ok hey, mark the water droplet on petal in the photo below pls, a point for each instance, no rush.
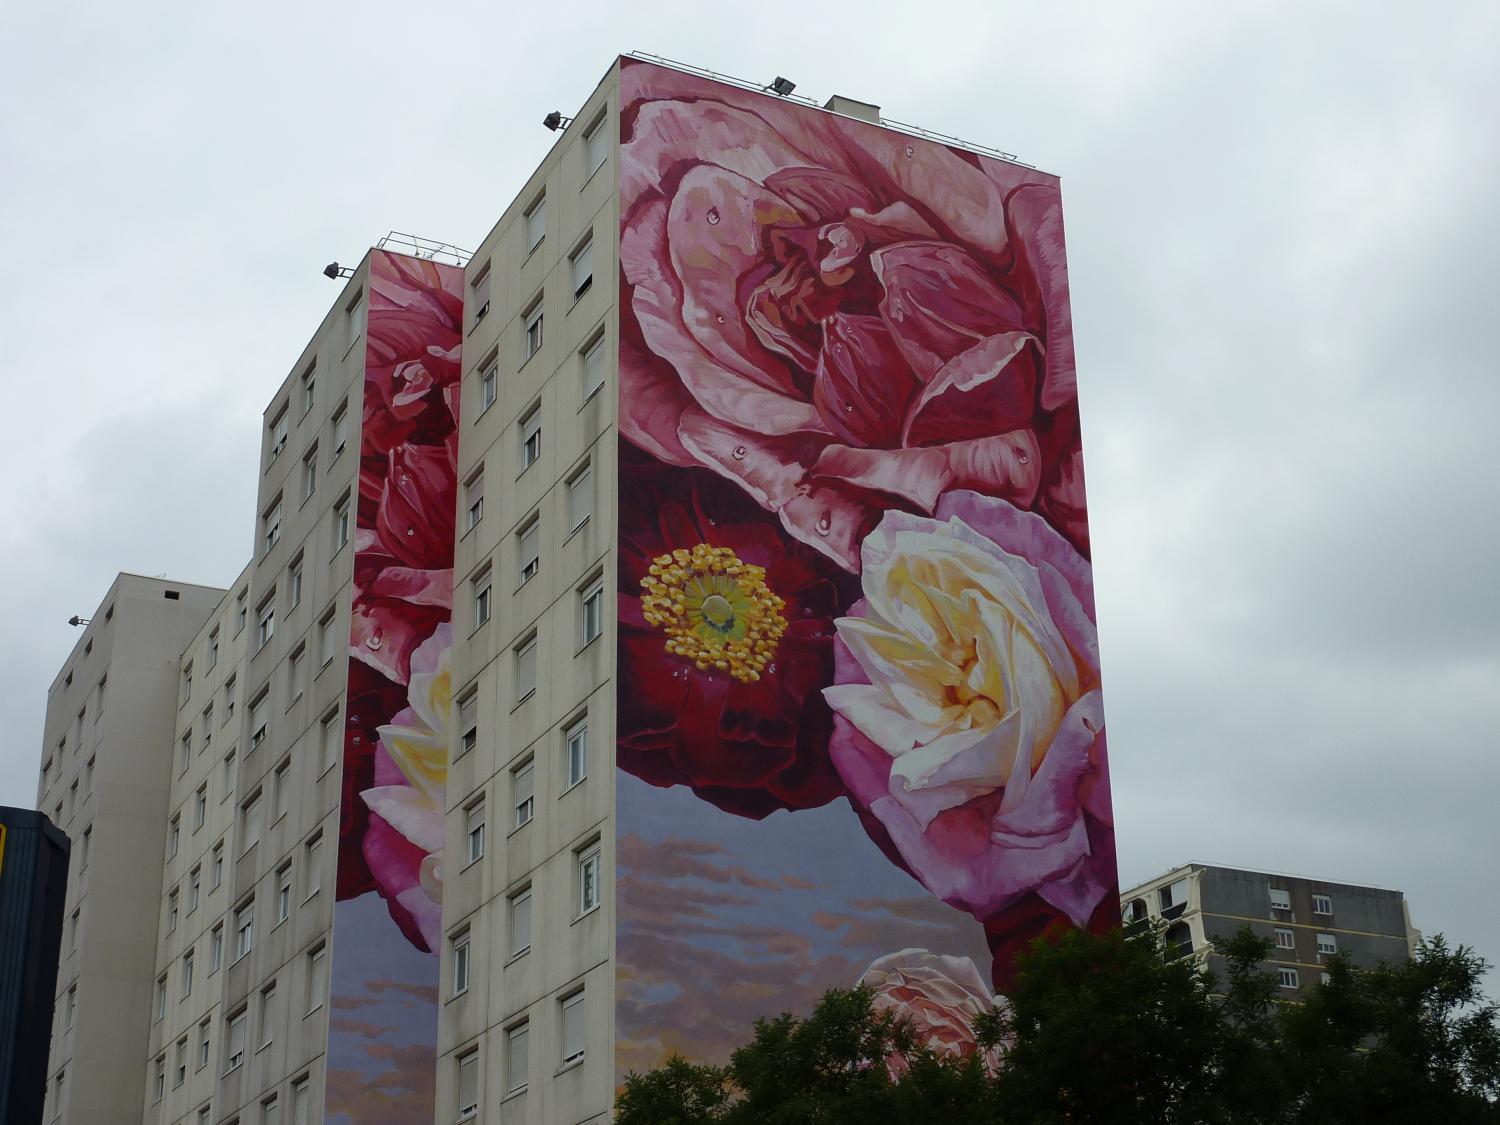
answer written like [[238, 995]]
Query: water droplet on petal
[[720, 318], [825, 525], [771, 668], [739, 452], [804, 489], [411, 531], [1023, 457], [405, 479], [712, 216], [374, 642], [910, 152], [356, 740], [848, 408]]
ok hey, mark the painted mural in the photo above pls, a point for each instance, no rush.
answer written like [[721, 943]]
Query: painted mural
[[388, 918], [860, 732]]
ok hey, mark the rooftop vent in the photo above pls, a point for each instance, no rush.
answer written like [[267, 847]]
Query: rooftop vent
[[849, 107]]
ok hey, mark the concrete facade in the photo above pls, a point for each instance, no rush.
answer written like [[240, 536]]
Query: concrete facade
[[1308, 920]]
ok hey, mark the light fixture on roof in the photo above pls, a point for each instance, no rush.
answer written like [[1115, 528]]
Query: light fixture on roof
[[334, 271], [75, 620], [556, 120], [782, 86]]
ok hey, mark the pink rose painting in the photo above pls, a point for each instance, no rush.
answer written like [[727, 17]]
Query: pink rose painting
[[844, 343], [388, 913]]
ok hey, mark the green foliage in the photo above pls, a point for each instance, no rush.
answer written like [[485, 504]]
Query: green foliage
[[1112, 1029]]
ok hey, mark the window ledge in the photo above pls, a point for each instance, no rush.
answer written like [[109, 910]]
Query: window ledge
[[523, 701], [514, 957], [572, 786], [571, 1064], [591, 910], [519, 827]]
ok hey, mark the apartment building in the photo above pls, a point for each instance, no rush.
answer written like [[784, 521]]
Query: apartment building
[[1308, 920], [400, 856]]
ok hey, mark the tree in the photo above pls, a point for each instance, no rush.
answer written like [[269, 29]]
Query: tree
[[1114, 1029]]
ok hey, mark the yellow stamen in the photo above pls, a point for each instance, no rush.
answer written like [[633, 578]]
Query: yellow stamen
[[716, 611]]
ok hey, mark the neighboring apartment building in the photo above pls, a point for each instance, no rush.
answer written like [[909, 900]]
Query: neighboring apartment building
[[1308, 920], [384, 773]]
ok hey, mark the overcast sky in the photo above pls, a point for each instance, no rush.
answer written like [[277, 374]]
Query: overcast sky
[[1283, 245]]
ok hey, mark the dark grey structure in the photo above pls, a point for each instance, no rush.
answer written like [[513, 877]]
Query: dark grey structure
[[1309, 920], [33, 881]]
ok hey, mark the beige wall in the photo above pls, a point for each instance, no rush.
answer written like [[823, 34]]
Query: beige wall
[[134, 640], [574, 680]]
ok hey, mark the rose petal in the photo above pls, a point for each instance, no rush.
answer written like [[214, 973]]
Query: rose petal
[[863, 384], [988, 389], [1034, 219]]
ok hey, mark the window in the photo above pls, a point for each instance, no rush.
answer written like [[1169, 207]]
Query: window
[[260, 709], [591, 611], [313, 872], [229, 698], [1280, 900], [265, 618], [341, 523], [533, 321], [536, 223], [330, 740], [576, 737], [489, 385], [213, 657], [161, 996], [294, 582], [159, 1083], [301, 1103], [474, 498], [580, 497], [595, 366], [240, 610], [187, 973], [179, 1069], [468, 1084], [317, 976], [460, 960], [326, 641], [283, 893], [588, 878], [208, 728], [309, 472], [268, 1013], [296, 666], [309, 386], [83, 847], [244, 929], [595, 146], [531, 437], [195, 889], [216, 865], [515, 1057], [479, 299], [572, 1028], [355, 317], [270, 524], [187, 693], [582, 269], [280, 786], [526, 668], [480, 585], [228, 775], [338, 429], [174, 836], [172, 911], [1328, 945], [1322, 904], [523, 785], [71, 1008], [73, 930], [184, 752], [278, 431], [238, 1027], [474, 830], [88, 776], [520, 922], [216, 948], [1285, 939], [270, 1111], [1286, 978], [468, 722], [203, 1044], [529, 543]]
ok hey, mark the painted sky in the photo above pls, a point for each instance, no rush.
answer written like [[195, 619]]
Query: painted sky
[[1282, 249]]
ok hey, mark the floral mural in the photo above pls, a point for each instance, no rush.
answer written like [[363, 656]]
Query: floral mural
[[388, 917], [857, 646]]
